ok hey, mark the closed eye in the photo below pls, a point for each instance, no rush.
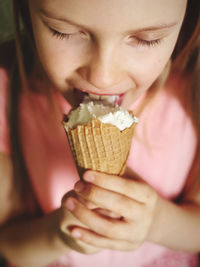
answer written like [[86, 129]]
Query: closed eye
[[135, 40], [61, 35], [148, 43]]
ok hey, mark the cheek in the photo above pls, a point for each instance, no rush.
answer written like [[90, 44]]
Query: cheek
[[145, 64], [145, 68], [59, 58], [56, 59]]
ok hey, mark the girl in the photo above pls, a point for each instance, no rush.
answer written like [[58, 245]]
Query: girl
[[146, 52]]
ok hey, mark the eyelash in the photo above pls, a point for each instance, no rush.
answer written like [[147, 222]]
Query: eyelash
[[140, 42], [148, 43], [61, 35]]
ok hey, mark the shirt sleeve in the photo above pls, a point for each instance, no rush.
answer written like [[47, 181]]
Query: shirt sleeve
[[4, 125]]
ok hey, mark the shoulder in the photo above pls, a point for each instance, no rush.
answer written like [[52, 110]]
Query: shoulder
[[6, 187], [4, 79], [6, 55], [5, 66], [4, 129], [12, 206]]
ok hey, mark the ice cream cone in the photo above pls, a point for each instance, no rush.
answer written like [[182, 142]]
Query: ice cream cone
[[99, 146]]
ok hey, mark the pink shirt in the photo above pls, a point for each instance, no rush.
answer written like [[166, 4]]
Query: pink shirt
[[162, 153]]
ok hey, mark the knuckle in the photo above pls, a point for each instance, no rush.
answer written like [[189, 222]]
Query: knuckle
[[150, 194], [113, 231], [125, 186], [104, 229], [93, 193], [125, 206]]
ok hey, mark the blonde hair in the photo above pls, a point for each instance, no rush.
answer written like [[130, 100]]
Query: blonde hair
[[184, 59]]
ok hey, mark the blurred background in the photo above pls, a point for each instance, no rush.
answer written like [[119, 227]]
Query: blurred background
[[6, 20], [2, 262], [6, 33]]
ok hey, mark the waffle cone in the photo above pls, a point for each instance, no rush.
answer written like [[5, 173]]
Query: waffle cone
[[99, 146]]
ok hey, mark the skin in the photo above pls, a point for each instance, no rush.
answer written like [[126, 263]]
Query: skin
[[107, 57], [135, 203], [104, 55]]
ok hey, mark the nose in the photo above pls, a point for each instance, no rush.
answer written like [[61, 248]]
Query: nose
[[102, 68]]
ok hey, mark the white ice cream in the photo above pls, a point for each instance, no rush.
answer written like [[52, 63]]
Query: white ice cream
[[105, 111]]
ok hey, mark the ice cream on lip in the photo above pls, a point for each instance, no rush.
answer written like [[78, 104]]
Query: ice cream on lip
[[104, 109], [81, 94]]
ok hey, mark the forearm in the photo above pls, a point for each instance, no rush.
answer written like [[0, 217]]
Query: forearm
[[31, 242], [177, 227]]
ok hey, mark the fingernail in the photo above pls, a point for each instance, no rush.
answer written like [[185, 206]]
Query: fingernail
[[88, 176], [76, 234], [70, 204], [79, 186]]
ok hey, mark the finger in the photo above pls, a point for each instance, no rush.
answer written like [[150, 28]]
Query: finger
[[115, 202], [108, 227], [94, 239], [67, 219], [72, 193], [139, 191], [77, 244], [66, 196]]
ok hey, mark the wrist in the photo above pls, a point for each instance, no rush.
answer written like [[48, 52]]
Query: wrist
[[160, 221], [56, 237], [176, 226]]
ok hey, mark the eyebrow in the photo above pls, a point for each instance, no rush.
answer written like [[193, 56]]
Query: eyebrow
[[144, 29]]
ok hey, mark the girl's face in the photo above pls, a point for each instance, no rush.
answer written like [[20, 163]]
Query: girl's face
[[105, 47]]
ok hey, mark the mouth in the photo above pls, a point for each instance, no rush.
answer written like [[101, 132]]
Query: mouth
[[81, 96]]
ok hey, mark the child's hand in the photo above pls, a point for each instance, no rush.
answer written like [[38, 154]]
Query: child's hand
[[66, 223], [135, 203]]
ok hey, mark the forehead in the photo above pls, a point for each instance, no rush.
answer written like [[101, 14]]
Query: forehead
[[115, 13]]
